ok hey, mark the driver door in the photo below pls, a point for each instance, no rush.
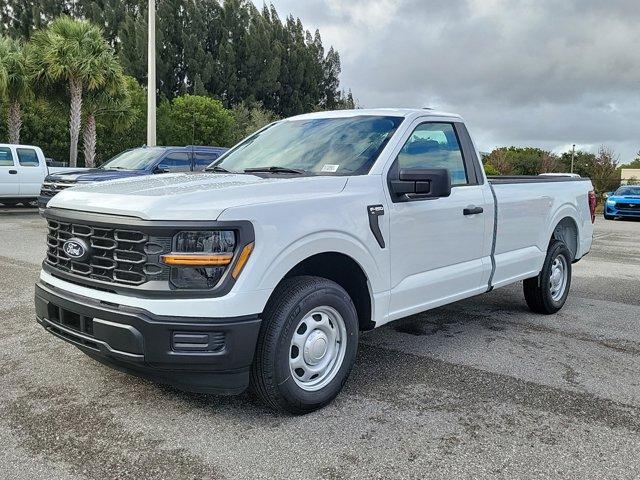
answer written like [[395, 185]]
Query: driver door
[[9, 179], [437, 246]]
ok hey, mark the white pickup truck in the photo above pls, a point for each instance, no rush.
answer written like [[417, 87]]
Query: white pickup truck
[[23, 168], [264, 271]]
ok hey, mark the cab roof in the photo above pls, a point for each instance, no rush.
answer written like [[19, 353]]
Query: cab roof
[[393, 112]]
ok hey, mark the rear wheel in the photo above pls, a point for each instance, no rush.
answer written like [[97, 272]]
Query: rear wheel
[[547, 293], [307, 345]]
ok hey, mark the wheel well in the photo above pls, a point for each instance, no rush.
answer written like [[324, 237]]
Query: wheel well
[[347, 273], [567, 232]]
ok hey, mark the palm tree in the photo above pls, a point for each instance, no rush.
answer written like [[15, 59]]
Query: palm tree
[[72, 53], [114, 102], [15, 83], [4, 73]]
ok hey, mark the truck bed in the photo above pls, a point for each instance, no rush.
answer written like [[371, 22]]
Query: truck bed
[[528, 208]]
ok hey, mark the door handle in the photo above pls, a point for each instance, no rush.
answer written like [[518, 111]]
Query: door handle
[[13, 172], [472, 210]]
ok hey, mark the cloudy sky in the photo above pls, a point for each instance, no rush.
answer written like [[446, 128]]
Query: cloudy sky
[[545, 73]]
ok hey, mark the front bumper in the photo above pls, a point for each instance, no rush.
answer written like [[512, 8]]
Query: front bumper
[[209, 355], [43, 200]]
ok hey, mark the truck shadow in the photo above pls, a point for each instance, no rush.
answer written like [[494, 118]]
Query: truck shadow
[[423, 384]]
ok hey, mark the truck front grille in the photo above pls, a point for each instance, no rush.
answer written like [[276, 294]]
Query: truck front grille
[[50, 189], [115, 255]]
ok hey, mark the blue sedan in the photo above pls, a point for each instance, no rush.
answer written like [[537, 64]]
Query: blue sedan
[[624, 202]]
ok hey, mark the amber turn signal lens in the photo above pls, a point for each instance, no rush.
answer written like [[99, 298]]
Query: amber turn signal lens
[[197, 259], [244, 256]]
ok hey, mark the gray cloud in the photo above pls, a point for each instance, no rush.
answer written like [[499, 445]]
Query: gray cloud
[[546, 73]]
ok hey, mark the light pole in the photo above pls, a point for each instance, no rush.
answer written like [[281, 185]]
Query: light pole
[[573, 156], [151, 77]]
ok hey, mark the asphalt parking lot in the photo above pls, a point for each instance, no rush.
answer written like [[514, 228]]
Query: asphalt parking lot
[[478, 389]]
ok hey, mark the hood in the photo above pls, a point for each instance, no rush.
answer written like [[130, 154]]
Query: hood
[[93, 175], [191, 196], [624, 198]]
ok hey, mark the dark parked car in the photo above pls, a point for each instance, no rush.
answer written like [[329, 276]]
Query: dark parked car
[[136, 162]]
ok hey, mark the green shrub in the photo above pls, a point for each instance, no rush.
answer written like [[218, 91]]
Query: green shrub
[[491, 170], [194, 120]]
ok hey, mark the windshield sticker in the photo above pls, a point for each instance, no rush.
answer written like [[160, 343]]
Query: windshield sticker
[[330, 168]]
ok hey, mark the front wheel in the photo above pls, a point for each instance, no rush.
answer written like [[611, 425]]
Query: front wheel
[[609, 217], [307, 345], [548, 292]]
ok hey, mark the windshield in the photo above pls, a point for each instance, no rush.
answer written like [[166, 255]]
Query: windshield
[[628, 191], [337, 146], [136, 159]]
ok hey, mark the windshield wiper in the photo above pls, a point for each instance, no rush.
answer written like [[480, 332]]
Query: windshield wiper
[[274, 170], [217, 168]]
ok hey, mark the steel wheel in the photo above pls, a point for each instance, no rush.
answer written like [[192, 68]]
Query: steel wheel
[[558, 277], [547, 292], [317, 348]]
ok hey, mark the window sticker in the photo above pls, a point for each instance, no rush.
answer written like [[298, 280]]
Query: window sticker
[[330, 168]]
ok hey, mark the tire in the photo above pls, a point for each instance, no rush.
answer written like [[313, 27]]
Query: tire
[[541, 293], [330, 323], [609, 217]]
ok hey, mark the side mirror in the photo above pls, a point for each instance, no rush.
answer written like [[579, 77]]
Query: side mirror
[[418, 183], [160, 169]]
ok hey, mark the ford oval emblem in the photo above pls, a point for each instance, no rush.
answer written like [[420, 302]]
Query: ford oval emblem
[[76, 249]]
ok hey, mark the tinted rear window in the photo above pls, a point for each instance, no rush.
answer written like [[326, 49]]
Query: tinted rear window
[[176, 162], [6, 158], [28, 157], [204, 159]]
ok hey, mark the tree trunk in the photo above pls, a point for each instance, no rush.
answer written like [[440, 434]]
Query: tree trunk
[[75, 90], [14, 122], [89, 142]]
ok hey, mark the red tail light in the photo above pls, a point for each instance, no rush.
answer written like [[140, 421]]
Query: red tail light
[[593, 201]]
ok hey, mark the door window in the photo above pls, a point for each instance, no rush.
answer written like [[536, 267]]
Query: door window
[[28, 157], [434, 145], [204, 159], [176, 162], [6, 158]]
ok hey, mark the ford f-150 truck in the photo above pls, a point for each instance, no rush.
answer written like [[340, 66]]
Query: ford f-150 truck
[[264, 271]]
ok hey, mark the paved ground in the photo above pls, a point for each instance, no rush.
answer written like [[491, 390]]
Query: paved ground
[[479, 389]]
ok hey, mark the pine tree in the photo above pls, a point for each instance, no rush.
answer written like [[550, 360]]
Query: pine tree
[[227, 49]]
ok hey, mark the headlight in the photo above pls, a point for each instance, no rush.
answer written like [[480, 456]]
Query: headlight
[[200, 258], [611, 202]]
